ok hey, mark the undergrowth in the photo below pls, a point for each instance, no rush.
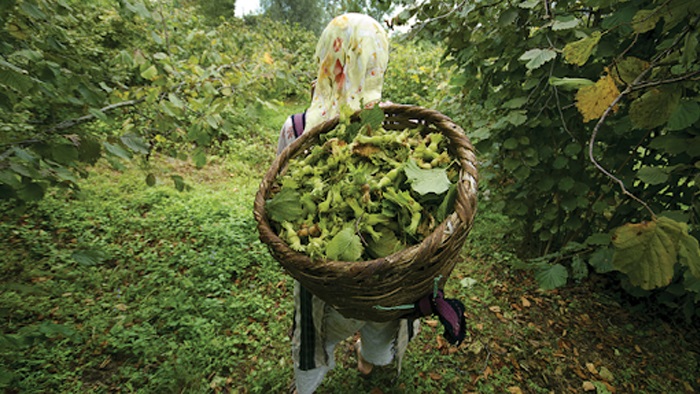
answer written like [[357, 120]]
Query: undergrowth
[[121, 287]]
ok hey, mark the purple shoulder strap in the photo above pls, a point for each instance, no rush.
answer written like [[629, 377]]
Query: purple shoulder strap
[[298, 123]]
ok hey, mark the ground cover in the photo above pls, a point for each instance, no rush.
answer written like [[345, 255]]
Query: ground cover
[[122, 287]]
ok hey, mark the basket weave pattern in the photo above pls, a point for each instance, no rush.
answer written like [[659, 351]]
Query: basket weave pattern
[[362, 290]]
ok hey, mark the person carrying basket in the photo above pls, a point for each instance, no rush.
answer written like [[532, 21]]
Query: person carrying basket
[[352, 54]]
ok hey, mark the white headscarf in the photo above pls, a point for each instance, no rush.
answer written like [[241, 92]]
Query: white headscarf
[[352, 53]]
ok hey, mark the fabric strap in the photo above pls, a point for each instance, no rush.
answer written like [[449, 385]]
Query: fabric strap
[[298, 123], [450, 312]]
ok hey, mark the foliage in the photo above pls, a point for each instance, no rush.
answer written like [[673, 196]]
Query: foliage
[[416, 75], [307, 13], [154, 75], [534, 74], [314, 14], [180, 296]]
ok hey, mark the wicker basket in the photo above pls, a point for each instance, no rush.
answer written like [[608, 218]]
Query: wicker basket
[[371, 290]]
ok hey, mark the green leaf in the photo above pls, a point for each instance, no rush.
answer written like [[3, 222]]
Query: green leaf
[[89, 150], [654, 108], [601, 260], [135, 143], [150, 179], [579, 268], [64, 153], [552, 277], [139, 9], [14, 79], [200, 158], [537, 57], [98, 114], [424, 181], [117, 150], [515, 103], [284, 206], [645, 20], [179, 182], [447, 205], [570, 83], [508, 17], [32, 10], [689, 253], [566, 183], [89, 257], [600, 239], [565, 22], [31, 192], [578, 52], [628, 69], [176, 100], [647, 252], [510, 143], [652, 175], [528, 4], [385, 245], [345, 246], [150, 73], [685, 115], [516, 118], [373, 117]]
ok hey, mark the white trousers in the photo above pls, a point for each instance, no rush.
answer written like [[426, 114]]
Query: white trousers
[[318, 328]]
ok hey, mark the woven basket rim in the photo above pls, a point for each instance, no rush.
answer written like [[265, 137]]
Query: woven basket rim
[[304, 268]]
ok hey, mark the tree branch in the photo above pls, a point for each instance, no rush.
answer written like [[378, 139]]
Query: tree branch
[[650, 84], [66, 124]]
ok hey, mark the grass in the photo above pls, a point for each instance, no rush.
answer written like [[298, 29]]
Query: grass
[[127, 288]]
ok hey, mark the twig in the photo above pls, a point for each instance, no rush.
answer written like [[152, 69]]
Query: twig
[[684, 77], [66, 124], [591, 144], [488, 356], [426, 22], [635, 85]]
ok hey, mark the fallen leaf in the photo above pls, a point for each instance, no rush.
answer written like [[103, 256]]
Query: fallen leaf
[[495, 309], [515, 390], [434, 375], [432, 323], [588, 386], [121, 307], [476, 347], [487, 372], [525, 302], [591, 368], [606, 374]]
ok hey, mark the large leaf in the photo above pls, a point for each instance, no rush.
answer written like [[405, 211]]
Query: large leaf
[[684, 116], [570, 83], [647, 252], [578, 52], [537, 57], [689, 254], [424, 181], [628, 69], [345, 246], [645, 20], [654, 108], [284, 206], [552, 277], [593, 101], [653, 175]]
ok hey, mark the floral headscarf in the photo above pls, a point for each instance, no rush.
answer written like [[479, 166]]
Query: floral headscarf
[[353, 53]]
